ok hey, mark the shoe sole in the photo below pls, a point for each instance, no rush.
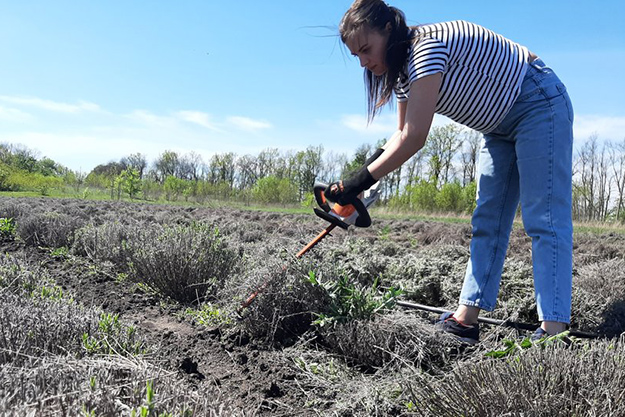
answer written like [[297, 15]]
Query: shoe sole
[[466, 340]]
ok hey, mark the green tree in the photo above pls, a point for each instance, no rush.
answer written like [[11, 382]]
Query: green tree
[[174, 187], [130, 182], [449, 198], [274, 190], [442, 144], [358, 160], [136, 161], [166, 165], [423, 195], [4, 176], [469, 194]]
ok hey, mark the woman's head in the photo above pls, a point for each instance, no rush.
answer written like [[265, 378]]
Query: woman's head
[[377, 34]]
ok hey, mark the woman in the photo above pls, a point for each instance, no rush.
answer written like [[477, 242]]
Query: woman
[[499, 88]]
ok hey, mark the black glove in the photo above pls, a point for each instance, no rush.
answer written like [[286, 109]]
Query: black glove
[[345, 192], [373, 157]]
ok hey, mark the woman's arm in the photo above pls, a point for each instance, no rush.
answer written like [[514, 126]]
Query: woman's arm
[[415, 118], [401, 118]]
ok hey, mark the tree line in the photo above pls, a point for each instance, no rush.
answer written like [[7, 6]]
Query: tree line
[[439, 178]]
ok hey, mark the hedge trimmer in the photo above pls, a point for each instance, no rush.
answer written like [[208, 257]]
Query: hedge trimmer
[[356, 214]]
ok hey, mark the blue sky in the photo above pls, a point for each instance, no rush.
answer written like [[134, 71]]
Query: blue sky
[[86, 82]]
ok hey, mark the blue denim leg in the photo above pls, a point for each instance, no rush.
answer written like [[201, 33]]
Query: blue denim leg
[[497, 200], [528, 157]]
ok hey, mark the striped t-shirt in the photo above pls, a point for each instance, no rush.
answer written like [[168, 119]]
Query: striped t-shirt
[[482, 71]]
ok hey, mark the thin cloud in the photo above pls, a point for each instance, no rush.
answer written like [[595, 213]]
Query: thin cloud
[[384, 124], [148, 118], [197, 117], [245, 123], [605, 127], [14, 115], [50, 105]]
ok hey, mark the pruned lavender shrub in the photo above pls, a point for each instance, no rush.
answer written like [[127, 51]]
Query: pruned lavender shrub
[[392, 340], [37, 319], [552, 380], [50, 229], [335, 388], [287, 304], [516, 300], [12, 209], [108, 242], [434, 276], [186, 263], [18, 276], [599, 297], [593, 248], [109, 385], [433, 233], [32, 328], [431, 276], [365, 261]]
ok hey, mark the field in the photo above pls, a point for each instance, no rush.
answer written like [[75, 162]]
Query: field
[[113, 308]]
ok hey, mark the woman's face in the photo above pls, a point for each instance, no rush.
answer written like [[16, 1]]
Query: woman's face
[[369, 45]]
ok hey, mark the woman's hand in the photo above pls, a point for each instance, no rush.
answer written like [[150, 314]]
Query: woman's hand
[[346, 191]]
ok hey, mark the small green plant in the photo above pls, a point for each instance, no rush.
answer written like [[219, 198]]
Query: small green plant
[[385, 233], [109, 323], [52, 292], [121, 277], [512, 346], [7, 227], [112, 337], [148, 409], [44, 190], [86, 412], [208, 315], [90, 344], [351, 302], [410, 406], [61, 253], [146, 289], [328, 371]]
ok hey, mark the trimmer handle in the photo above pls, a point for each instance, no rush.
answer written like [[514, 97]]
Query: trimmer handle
[[363, 219], [318, 190]]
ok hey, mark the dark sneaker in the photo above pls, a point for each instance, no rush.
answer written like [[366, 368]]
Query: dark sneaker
[[539, 334], [469, 334]]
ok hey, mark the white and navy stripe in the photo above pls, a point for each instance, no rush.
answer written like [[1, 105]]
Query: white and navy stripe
[[482, 71]]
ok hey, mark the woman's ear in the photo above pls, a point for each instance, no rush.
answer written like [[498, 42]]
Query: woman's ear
[[388, 27]]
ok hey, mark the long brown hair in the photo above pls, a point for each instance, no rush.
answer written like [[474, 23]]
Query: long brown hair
[[375, 15]]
